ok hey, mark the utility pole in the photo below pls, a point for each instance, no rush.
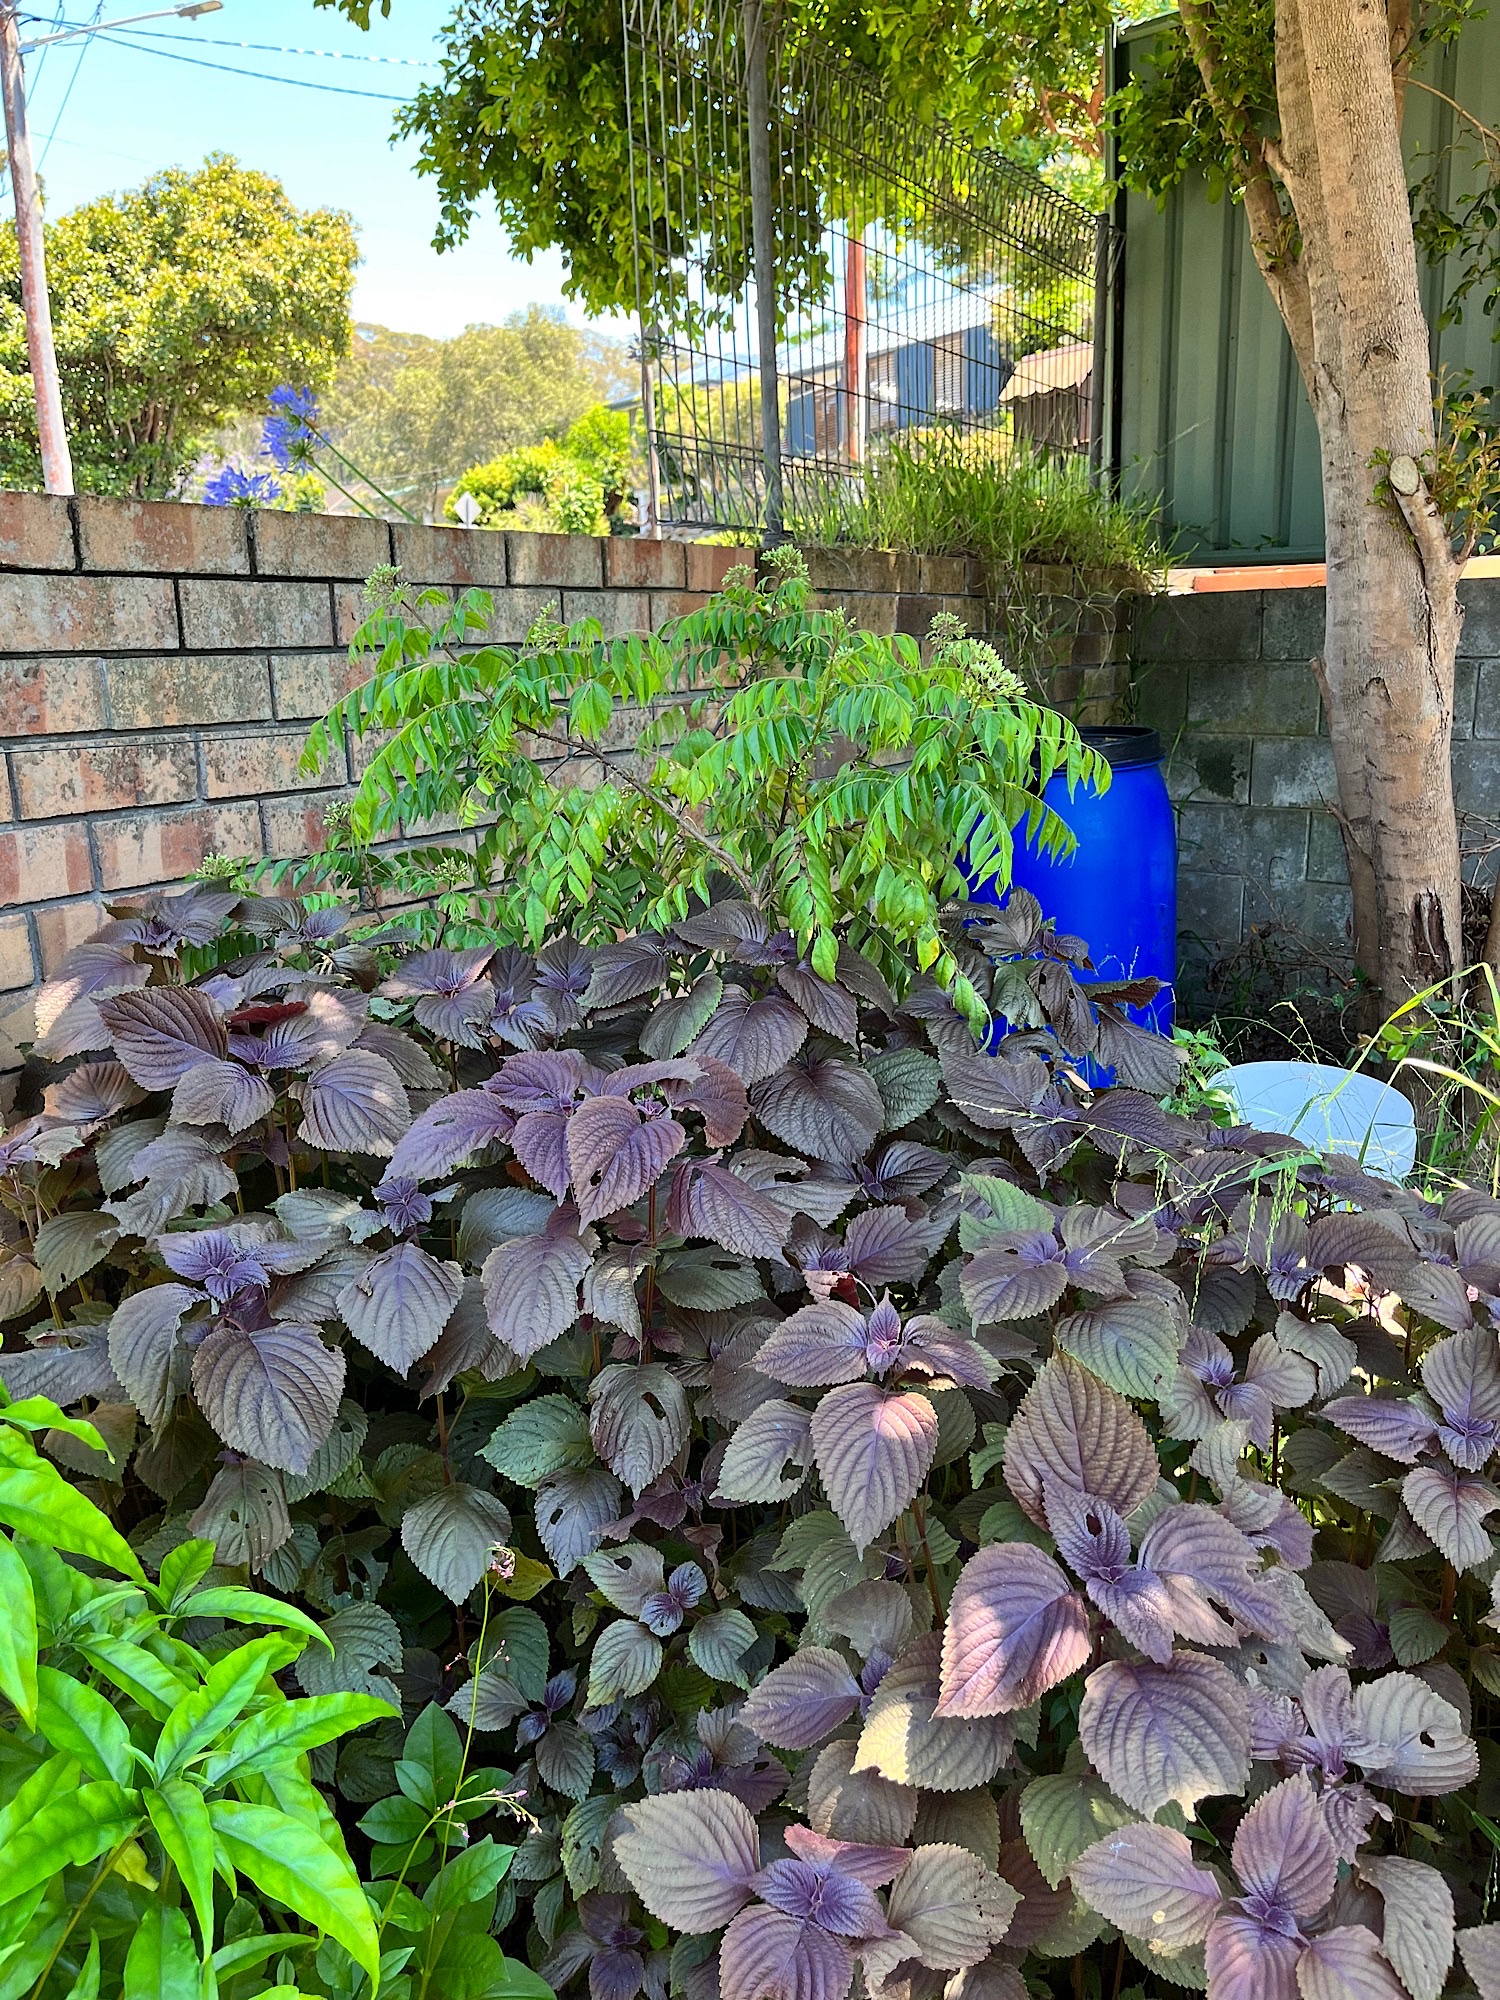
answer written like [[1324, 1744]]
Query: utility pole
[[52, 432], [57, 461]]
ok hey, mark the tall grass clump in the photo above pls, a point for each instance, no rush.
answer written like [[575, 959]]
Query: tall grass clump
[[938, 493]]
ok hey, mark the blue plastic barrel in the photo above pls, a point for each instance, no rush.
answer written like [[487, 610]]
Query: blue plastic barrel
[[1117, 890]]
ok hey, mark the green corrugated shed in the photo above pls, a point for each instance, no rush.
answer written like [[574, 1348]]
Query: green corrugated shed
[[1206, 411]]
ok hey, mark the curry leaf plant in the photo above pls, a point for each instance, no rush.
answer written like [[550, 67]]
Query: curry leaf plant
[[884, 1509], [830, 778]]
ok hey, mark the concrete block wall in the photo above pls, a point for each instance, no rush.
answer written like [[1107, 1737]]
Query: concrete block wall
[[1225, 677]]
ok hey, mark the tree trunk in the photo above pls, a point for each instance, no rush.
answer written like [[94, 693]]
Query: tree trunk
[[1392, 609], [1342, 269]]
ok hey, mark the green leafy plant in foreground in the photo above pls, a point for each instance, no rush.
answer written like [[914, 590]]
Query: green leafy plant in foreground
[[833, 777], [139, 1769]]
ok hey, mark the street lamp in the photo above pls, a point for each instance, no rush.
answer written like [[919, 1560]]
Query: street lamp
[[52, 434]]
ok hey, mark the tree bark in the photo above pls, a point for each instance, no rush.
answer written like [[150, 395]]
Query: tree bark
[[1392, 606], [1342, 268]]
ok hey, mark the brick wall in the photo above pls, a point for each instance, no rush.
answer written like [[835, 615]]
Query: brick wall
[[1225, 677], [160, 665]]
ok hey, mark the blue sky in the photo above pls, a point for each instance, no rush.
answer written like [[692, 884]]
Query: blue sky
[[105, 115]]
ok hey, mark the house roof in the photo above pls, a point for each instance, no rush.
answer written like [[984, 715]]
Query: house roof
[[1066, 367]]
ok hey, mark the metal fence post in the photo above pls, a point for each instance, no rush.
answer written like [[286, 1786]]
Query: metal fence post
[[763, 241], [1103, 253]]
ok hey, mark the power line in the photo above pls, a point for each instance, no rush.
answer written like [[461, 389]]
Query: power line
[[78, 65], [254, 75], [280, 49]]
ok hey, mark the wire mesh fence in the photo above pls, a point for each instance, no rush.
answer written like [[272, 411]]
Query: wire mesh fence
[[910, 287]]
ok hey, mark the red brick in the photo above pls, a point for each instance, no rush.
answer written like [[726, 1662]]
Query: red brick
[[163, 535], [16, 967], [456, 557], [872, 611], [243, 767], [296, 827], [639, 562], [35, 532], [575, 562], [319, 544], [707, 564], [853, 569], [945, 576], [156, 693], [512, 614], [308, 684], [86, 614], [618, 611], [669, 604], [139, 850], [236, 615], [97, 777], [59, 926], [51, 697], [39, 862]]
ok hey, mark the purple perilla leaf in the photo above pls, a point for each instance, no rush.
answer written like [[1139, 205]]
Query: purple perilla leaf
[[1156, 1733], [803, 1701], [1145, 1881], [817, 1345], [1248, 1960], [873, 1450], [819, 1893], [531, 1284], [1451, 1509], [616, 1151], [899, 1171], [710, 1201], [754, 1038], [401, 1303], [354, 1103], [1462, 1375], [160, 1033], [436, 972], [1398, 1429], [447, 1132], [825, 1106], [1073, 1431], [690, 1857], [874, 1866], [1283, 1856], [892, 1245], [1347, 1964], [539, 1082], [403, 1204], [767, 1955], [1016, 1627], [1017, 1276], [829, 1008], [663, 1611], [271, 1392]]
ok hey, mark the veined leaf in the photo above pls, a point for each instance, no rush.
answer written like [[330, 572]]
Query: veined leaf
[[36, 1501], [284, 1858], [180, 1819], [18, 1672]]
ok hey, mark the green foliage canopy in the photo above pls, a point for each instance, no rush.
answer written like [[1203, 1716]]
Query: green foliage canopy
[[531, 110], [415, 412], [176, 307]]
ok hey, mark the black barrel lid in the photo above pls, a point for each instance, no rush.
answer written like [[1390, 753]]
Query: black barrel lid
[[1121, 743]]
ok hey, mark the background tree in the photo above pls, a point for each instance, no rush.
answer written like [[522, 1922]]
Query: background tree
[[415, 412], [176, 307]]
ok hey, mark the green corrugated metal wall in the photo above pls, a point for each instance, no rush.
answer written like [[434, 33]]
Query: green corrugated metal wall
[[1209, 416]]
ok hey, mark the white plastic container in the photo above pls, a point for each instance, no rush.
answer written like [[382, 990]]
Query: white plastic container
[[1338, 1110]]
